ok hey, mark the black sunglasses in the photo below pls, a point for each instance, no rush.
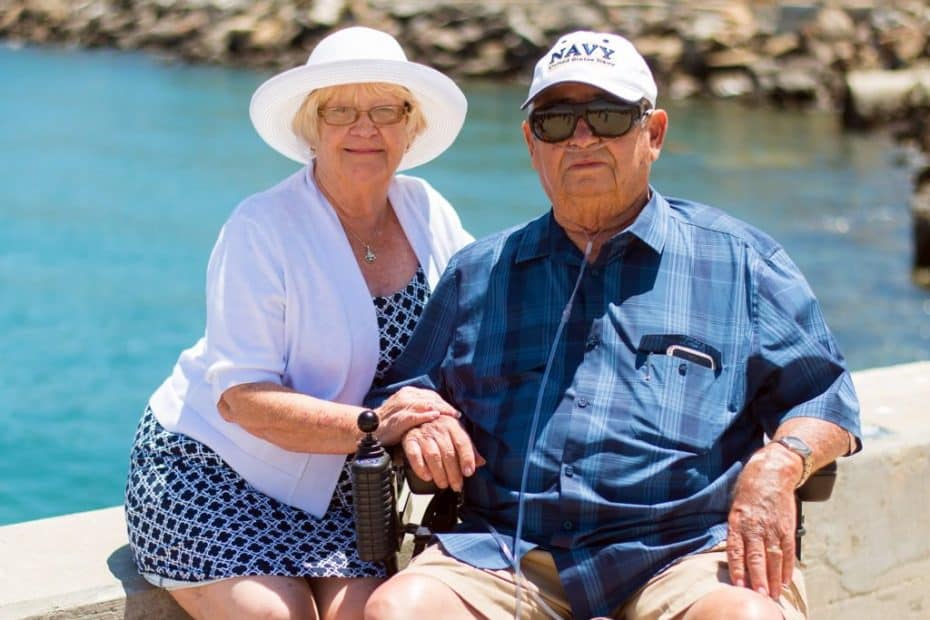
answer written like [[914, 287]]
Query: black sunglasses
[[605, 117]]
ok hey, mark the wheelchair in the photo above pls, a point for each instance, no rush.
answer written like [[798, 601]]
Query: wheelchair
[[383, 487]]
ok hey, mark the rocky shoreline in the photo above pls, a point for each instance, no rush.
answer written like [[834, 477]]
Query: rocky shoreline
[[867, 61], [787, 53]]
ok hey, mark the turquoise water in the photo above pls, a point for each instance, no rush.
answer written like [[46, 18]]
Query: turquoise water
[[118, 170]]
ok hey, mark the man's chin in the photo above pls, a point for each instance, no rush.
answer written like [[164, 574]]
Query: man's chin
[[594, 191]]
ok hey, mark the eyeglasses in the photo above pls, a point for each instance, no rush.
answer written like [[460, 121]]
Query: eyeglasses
[[379, 115], [606, 118]]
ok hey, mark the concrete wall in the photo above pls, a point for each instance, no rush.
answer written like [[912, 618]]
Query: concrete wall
[[75, 566], [868, 548], [867, 552]]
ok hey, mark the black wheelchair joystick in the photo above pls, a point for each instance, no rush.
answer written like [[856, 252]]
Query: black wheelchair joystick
[[374, 494]]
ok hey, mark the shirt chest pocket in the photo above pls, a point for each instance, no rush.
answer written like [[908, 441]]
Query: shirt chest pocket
[[685, 393]]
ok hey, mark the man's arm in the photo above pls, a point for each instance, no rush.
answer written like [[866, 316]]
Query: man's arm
[[798, 386], [440, 451], [760, 543]]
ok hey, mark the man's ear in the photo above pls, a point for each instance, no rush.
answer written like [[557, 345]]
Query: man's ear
[[658, 128], [530, 141]]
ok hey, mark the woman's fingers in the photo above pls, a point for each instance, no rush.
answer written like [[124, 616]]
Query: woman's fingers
[[414, 400], [392, 429]]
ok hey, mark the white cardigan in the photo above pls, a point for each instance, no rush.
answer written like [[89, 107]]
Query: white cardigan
[[287, 303]]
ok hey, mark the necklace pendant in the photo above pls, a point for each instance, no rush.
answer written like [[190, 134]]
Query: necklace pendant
[[369, 255]]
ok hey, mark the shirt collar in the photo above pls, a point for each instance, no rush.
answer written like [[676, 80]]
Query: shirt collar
[[535, 238], [543, 236], [651, 226]]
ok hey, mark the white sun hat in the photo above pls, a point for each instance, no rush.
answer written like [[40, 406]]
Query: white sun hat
[[606, 61], [350, 56]]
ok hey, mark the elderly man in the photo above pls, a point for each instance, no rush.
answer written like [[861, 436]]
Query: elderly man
[[618, 363]]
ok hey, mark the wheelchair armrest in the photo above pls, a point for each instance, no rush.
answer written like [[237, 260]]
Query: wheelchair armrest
[[441, 512], [819, 486], [419, 486]]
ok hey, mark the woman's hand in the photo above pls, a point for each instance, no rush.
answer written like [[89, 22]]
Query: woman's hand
[[408, 408]]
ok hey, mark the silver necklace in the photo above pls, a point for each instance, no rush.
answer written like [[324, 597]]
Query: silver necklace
[[370, 255]]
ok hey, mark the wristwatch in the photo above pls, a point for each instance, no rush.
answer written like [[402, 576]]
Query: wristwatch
[[799, 447]]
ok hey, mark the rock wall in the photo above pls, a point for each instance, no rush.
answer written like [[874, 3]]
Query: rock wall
[[789, 53]]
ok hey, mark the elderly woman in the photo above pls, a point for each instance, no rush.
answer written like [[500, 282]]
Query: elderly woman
[[238, 499]]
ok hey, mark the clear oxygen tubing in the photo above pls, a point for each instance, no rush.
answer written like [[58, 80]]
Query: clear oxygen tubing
[[513, 557], [518, 577]]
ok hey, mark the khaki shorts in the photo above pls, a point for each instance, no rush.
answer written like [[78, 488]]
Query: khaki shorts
[[667, 595]]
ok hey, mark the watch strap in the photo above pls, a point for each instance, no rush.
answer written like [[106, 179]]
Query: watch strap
[[799, 447]]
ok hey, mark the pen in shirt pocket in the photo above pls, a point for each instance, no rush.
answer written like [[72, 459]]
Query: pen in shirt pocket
[[692, 355], [680, 346]]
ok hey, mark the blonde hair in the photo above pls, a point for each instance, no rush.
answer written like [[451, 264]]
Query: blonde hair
[[306, 122]]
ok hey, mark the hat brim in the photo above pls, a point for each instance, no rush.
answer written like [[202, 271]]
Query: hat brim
[[442, 102], [617, 90]]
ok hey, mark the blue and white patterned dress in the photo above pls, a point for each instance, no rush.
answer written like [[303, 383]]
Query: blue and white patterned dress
[[192, 518]]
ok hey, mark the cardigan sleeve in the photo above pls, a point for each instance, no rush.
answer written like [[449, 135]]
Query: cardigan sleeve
[[431, 223], [449, 226], [245, 335]]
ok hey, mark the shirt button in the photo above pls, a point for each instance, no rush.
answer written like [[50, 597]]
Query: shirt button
[[591, 344], [568, 525], [569, 471], [582, 403]]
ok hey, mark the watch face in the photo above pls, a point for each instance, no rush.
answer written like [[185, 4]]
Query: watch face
[[797, 445]]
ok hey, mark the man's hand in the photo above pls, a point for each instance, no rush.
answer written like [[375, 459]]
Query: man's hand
[[760, 543], [441, 451], [407, 408]]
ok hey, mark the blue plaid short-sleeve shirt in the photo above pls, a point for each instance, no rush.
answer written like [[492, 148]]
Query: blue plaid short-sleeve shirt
[[691, 336]]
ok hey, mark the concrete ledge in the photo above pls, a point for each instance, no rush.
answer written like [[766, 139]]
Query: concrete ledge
[[76, 566], [868, 549], [867, 552]]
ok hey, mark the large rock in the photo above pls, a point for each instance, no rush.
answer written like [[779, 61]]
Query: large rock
[[920, 211], [173, 30], [797, 84], [832, 24], [327, 12], [874, 97], [519, 22], [782, 44], [731, 83], [663, 53]]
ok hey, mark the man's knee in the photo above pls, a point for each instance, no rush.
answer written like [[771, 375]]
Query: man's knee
[[405, 596], [396, 598], [733, 603]]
